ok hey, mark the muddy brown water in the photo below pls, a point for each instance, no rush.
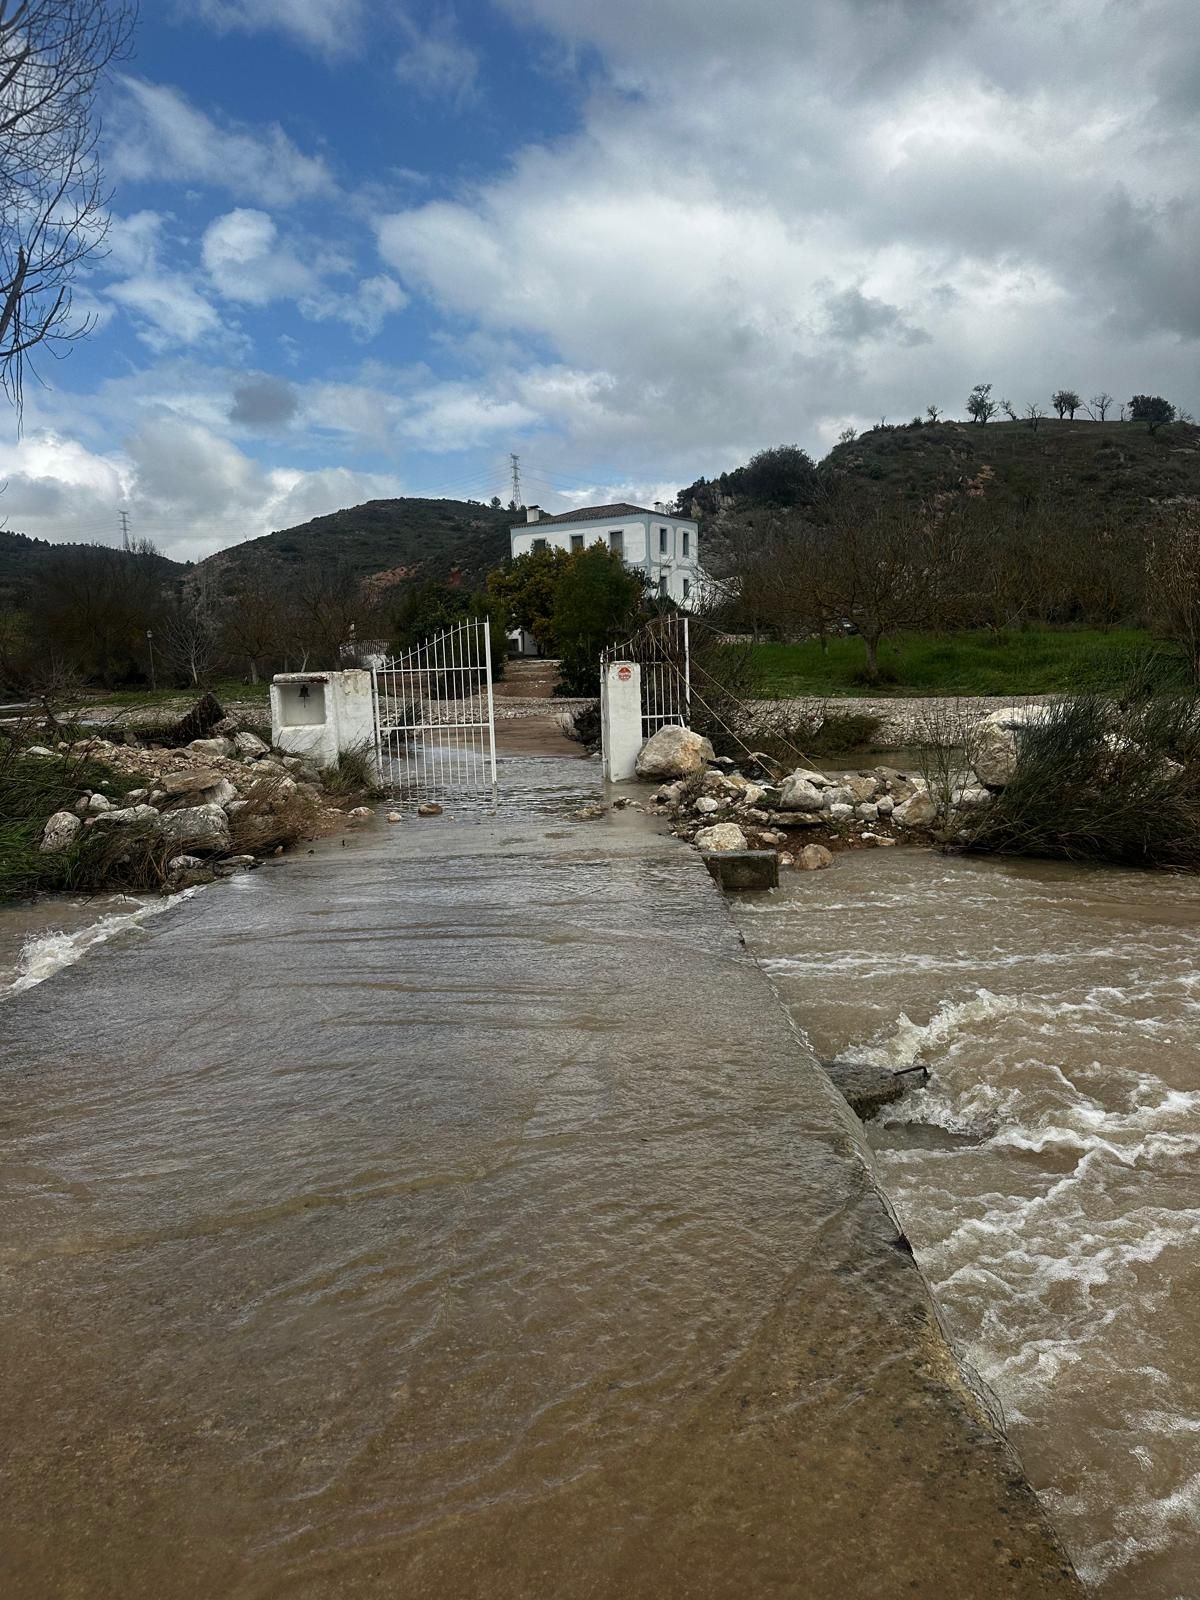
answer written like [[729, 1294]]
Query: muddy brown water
[[452, 1214], [1049, 1174]]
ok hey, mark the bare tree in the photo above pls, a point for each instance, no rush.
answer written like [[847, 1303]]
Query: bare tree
[[254, 617], [1009, 410], [1173, 577], [933, 413], [53, 203], [1099, 405], [1066, 402], [189, 634], [1034, 414]]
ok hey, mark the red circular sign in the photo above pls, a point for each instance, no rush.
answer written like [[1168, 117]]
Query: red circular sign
[[624, 674]]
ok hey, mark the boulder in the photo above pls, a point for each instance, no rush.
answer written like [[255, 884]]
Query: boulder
[[841, 811], [918, 812], [211, 747], [706, 805], [124, 814], [184, 863], [867, 812], [136, 796], [360, 812], [97, 803], [61, 830], [192, 780], [992, 744], [232, 864], [673, 753], [885, 805], [721, 836], [862, 787], [810, 775], [40, 750], [249, 744], [813, 857], [797, 794], [900, 785], [971, 794], [203, 827]]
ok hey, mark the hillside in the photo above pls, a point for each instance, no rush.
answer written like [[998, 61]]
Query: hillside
[[1105, 472], [450, 540], [23, 559]]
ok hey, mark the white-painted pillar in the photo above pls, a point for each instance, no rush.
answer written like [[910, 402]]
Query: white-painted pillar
[[621, 719]]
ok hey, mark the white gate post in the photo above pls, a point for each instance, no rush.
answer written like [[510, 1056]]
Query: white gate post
[[621, 719]]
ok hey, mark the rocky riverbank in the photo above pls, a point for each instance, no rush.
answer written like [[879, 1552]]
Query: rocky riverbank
[[134, 816]]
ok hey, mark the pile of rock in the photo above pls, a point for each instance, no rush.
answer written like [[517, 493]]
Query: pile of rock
[[804, 818], [191, 801]]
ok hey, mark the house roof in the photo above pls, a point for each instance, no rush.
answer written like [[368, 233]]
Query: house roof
[[599, 514]]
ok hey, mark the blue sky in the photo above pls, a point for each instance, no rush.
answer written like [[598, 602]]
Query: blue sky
[[362, 248]]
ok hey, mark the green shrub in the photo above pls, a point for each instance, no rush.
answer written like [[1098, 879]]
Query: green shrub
[[1101, 781]]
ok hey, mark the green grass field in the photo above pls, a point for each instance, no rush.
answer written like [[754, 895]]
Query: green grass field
[[1039, 661], [232, 690]]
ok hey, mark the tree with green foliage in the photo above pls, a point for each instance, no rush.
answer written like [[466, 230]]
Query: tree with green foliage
[[783, 475], [430, 608], [980, 405], [525, 589], [596, 602], [1066, 402], [1151, 409]]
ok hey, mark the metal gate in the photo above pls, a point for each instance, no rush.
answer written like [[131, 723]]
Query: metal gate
[[435, 720], [663, 651]]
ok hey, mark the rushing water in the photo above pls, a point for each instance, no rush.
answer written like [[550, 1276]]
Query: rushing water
[[1048, 1175]]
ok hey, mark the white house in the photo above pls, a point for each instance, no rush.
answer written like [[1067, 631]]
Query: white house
[[660, 544]]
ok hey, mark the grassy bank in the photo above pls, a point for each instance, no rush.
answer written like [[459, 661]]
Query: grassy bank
[[229, 691], [1037, 661], [32, 788]]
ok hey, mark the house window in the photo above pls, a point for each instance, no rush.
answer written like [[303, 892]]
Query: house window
[[616, 541], [662, 541], [662, 587], [687, 541], [576, 541], [539, 544], [687, 588]]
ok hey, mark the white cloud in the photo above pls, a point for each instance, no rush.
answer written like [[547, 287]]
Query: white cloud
[[777, 217], [246, 262], [185, 487], [436, 63], [167, 310], [159, 135], [364, 310], [331, 27]]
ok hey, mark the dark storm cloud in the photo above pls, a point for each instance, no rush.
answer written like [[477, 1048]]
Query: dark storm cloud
[[264, 402]]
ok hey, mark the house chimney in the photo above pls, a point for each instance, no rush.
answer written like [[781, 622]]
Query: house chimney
[[659, 506], [533, 513]]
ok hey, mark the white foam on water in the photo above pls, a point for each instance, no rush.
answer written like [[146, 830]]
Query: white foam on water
[[48, 953]]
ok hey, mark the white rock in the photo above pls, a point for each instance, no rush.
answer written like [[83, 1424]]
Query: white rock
[[184, 863], [722, 836], [813, 857], [394, 816], [673, 753], [40, 750], [993, 742], [198, 827], [61, 830], [798, 794], [706, 805], [117, 815], [136, 796], [918, 812], [98, 802], [841, 811], [361, 812], [211, 747], [867, 812], [810, 775], [839, 795], [249, 744], [972, 794], [885, 805]]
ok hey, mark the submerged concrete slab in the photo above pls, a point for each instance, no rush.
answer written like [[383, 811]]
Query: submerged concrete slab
[[743, 869], [456, 1214]]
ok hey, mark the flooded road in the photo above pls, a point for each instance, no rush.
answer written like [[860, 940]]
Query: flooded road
[[453, 1214], [1049, 1175]]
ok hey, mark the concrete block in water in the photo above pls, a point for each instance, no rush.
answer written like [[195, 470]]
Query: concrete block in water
[[743, 869]]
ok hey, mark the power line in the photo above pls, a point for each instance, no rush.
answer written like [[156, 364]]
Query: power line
[[124, 516]]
